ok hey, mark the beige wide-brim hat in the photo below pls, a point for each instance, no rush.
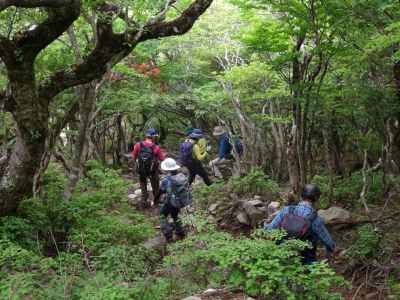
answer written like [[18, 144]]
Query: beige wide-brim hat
[[218, 130], [170, 164]]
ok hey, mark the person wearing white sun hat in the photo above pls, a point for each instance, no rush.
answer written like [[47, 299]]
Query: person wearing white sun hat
[[175, 187]]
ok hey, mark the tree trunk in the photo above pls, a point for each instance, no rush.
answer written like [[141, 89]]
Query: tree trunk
[[87, 101], [31, 115]]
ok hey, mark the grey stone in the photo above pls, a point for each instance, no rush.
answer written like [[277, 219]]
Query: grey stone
[[242, 218], [213, 207], [138, 192], [334, 215], [256, 203], [192, 298], [254, 214], [157, 243]]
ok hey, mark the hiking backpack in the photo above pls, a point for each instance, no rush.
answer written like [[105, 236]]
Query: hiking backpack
[[178, 194], [237, 144], [146, 160], [296, 226], [186, 153]]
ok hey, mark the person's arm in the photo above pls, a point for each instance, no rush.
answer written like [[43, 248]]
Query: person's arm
[[277, 220], [319, 228], [136, 151], [158, 153]]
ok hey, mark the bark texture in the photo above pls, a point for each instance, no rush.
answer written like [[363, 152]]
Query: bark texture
[[28, 100]]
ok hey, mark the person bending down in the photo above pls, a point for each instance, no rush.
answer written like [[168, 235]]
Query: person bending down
[[302, 222]]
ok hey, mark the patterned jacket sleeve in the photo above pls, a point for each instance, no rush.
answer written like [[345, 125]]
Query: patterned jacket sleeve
[[277, 220], [319, 228]]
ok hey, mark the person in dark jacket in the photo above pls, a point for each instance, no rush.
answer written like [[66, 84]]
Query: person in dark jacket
[[148, 155], [224, 150], [170, 207], [197, 154], [305, 209]]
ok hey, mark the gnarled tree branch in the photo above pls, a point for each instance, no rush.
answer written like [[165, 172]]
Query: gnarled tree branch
[[111, 48], [59, 19], [34, 3]]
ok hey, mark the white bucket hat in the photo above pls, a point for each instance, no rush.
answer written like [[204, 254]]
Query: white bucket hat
[[169, 164]]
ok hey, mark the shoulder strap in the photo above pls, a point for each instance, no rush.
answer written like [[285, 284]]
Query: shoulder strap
[[291, 209], [313, 217]]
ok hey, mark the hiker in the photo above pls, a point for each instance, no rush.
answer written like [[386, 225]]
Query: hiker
[[175, 186], [192, 154], [301, 221], [224, 150], [148, 155]]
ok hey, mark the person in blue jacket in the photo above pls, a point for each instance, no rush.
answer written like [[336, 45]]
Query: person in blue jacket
[[318, 232], [224, 150]]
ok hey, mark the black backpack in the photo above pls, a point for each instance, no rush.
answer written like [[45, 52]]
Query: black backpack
[[296, 226], [146, 160]]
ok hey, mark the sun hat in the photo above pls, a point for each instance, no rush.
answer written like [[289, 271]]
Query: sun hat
[[151, 132], [218, 130], [169, 164]]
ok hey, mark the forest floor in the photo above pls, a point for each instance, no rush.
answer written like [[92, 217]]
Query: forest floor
[[368, 278]]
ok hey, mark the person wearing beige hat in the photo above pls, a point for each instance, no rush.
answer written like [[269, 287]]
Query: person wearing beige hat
[[224, 150]]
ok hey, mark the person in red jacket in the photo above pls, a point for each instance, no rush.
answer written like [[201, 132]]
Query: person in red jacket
[[148, 156]]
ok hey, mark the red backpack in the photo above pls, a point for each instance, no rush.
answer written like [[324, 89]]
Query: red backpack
[[296, 226]]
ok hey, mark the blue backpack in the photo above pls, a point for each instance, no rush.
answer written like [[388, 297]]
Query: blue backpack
[[178, 194], [238, 146], [186, 153]]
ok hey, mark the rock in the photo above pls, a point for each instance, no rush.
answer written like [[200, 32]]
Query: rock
[[256, 202], [192, 298], [149, 188], [132, 196], [138, 192], [257, 197], [213, 207], [242, 218], [254, 214], [157, 243], [334, 215]]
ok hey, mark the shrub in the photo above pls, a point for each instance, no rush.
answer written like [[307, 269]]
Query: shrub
[[127, 263], [256, 182], [348, 189], [255, 264], [366, 247]]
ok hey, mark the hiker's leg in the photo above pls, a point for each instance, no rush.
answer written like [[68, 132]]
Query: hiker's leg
[[165, 227], [192, 174], [179, 230], [214, 165], [155, 185], [309, 256], [203, 173], [143, 188]]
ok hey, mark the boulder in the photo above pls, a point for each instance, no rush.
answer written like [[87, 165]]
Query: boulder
[[132, 197], [256, 203], [242, 218], [157, 243], [213, 207], [334, 215], [138, 192], [192, 298], [254, 214]]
